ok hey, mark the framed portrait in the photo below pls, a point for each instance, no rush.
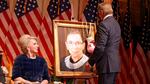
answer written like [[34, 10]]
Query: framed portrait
[[70, 40]]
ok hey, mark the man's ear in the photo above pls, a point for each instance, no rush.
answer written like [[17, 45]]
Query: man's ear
[[101, 15]]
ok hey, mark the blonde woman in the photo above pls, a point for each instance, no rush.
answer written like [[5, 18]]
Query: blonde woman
[[29, 67]]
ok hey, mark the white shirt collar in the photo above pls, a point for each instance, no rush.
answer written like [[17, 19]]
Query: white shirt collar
[[80, 63], [107, 16]]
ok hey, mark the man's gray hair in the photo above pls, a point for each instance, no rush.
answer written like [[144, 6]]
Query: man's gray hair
[[106, 7]]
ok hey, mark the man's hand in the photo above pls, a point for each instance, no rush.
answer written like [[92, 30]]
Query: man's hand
[[90, 44], [90, 47]]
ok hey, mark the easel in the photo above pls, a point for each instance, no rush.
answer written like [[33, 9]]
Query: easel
[[88, 80]]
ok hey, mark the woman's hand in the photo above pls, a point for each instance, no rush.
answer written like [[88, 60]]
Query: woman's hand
[[5, 71], [20, 80]]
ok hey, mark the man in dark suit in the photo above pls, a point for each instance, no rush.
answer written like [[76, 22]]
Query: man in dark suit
[[106, 51]]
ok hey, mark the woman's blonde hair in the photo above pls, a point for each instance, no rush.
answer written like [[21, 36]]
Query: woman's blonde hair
[[106, 7], [23, 42]]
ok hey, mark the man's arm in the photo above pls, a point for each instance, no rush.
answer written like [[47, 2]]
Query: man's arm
[[100, 44]]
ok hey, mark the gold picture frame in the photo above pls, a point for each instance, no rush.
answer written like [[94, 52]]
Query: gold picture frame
[[61, 28]]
